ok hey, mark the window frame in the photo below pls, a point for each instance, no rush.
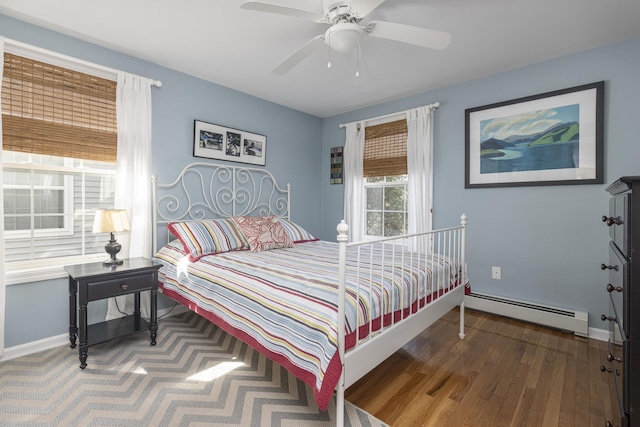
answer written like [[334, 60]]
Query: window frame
[[34, 270], [66, 187], [383, 184]]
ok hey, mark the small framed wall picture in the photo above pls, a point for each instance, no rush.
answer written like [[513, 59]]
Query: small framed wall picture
[[336, 165], [217, 142]]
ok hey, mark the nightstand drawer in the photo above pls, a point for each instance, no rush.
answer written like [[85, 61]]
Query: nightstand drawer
[[121, 286]]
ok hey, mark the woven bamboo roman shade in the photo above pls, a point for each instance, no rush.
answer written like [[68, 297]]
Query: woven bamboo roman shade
[[55, 111], [385, 149]]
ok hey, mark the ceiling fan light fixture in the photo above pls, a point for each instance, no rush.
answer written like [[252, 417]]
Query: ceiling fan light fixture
[[344, 37]]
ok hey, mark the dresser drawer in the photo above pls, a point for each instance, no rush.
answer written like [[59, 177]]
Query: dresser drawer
[[617, 287], [614, 375], [618, 222], [615, 322], [120, 286]]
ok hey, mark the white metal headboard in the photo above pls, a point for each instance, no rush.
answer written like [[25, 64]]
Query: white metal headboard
[[211, 191]]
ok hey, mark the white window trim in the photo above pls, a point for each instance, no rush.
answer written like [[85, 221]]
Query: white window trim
[[45, 269]]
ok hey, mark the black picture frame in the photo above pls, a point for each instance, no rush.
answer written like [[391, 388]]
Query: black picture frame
[[212, 141], [553, 138]]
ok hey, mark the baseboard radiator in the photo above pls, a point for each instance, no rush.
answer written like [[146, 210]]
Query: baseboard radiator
[[560, 318]]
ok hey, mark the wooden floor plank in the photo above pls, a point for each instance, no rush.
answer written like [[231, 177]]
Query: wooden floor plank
[[504, 373]]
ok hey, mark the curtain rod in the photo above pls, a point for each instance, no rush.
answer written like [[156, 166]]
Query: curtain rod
[[433, 106], [44, 55]]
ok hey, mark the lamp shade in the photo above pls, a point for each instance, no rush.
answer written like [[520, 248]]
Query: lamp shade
[[110, 220]]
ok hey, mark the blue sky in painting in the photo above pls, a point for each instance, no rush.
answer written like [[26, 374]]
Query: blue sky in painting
[[528, 123]]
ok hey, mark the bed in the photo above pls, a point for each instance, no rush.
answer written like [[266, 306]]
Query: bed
[[328, 312]]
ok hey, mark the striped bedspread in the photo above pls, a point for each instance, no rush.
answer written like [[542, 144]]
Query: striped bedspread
[[283, 302]]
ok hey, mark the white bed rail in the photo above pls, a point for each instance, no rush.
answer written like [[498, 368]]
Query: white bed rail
[[439, 253]]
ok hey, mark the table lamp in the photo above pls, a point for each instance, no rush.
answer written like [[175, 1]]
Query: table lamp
[[110, 221]]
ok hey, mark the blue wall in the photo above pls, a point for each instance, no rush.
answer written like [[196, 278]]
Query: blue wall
[[293, 149], [549, 240]]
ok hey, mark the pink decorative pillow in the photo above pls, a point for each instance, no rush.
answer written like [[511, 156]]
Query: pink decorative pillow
[[263, 232]]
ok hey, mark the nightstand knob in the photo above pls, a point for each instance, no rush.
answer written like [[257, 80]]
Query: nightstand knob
[[124, 286], [611, 288]]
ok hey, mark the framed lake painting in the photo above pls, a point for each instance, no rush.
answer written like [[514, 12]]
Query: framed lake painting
[[547, 139]]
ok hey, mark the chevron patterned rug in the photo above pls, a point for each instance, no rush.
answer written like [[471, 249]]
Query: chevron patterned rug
[[196, 375]]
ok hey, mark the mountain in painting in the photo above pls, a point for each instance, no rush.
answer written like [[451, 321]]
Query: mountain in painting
[[495, 144], [566, 132], [571, 129]]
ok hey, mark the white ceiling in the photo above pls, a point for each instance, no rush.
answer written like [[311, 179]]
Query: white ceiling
[[218, 41]]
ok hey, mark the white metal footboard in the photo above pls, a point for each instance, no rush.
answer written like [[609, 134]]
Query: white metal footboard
[[440, 252]]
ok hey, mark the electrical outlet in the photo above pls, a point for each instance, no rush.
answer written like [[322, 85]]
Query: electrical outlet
[[496, 273]]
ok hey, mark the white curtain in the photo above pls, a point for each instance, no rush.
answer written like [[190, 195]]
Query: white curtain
[[353, 181], [420, 169], [133, 177], [2, 280]]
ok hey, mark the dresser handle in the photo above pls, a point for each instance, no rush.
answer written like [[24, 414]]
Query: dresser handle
[[124, 286], [611, 220], [605, 369], [611, 288], [609, 318], [610, 267], [611, 357]]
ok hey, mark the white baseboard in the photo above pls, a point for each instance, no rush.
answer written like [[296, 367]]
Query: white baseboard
[[555, 317], [63, 339], [599, 334], [35, 346]]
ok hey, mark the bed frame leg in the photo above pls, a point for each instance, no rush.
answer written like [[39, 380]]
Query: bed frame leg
[[340, 401], [461, 334]]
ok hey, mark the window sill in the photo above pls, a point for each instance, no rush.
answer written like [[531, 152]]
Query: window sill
[[35, 271]]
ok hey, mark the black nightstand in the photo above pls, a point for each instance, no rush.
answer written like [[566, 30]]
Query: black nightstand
[[93, 282]]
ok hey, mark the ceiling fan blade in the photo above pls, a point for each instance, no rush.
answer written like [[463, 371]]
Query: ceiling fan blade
[[283, 10], [364, 7], [296, 57], [418, 36]]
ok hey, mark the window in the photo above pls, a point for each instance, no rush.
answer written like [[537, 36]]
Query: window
[[58, 161], [385, 179], [386, 206], [48, 211]]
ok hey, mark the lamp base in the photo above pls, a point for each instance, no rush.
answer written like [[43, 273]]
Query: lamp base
[[112, 248], [112, 262]]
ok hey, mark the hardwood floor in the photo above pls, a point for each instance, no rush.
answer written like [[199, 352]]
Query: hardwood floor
[[504, 373]]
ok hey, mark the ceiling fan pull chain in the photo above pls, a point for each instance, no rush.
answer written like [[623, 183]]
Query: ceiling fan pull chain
[[358, 60]]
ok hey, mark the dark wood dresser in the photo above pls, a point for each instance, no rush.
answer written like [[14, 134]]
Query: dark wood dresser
[[623, 289]]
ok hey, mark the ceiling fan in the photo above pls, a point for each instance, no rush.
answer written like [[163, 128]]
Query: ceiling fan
[[345, 31]]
